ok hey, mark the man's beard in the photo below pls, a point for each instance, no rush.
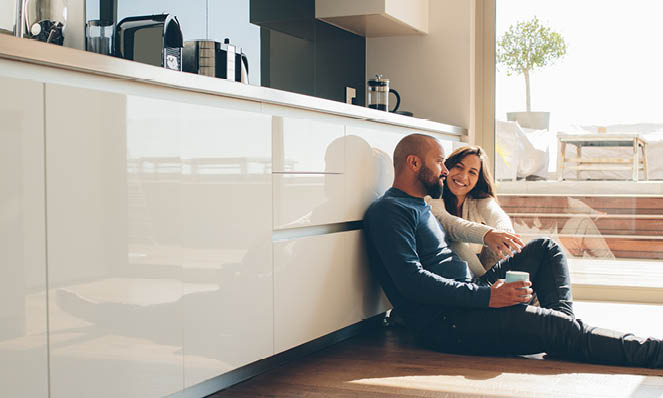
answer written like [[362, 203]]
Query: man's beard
[[431, 182]]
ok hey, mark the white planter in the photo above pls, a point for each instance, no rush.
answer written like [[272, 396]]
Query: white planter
[[531, 120]]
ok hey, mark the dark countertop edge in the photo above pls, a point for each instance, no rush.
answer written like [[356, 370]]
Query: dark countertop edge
[[30, 51]]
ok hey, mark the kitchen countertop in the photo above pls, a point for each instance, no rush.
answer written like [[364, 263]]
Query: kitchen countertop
[[34, 52]]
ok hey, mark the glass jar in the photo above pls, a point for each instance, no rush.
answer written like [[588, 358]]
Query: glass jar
[[99, 36], [378, 93]]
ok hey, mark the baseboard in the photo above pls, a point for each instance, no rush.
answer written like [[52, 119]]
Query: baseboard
[[221, 382]]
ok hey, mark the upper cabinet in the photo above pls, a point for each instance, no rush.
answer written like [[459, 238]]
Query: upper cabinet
[[375, 18]]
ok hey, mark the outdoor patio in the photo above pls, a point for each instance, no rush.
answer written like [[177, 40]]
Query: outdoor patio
[[610, 230], [579, 153], [586, 187]]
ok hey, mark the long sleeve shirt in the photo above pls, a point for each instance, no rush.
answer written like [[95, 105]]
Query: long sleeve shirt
[[485, 211], [408, 253]]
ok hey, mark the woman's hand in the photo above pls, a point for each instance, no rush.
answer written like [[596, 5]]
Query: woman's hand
[[503, 243], [508, 294]]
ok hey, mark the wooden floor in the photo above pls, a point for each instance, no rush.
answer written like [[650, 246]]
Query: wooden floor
[[385, 362]]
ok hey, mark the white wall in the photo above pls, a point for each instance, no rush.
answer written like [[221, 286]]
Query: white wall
[[430, 72], [7, 14]]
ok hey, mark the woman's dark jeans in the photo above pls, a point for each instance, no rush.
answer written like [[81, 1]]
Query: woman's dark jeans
[[552, 328]]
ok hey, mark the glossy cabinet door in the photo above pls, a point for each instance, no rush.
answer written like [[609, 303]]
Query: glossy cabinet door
[[225, 235], [303, 200], [23, 338], [115, 263], [159, 238], [373, 300], [369, 166], [321, 284], [309, 165], [308, 145]]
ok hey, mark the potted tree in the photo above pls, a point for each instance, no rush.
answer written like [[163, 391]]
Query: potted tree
[[524, 47]]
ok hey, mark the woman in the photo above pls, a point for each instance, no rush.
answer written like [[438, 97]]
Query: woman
[[469, 193]]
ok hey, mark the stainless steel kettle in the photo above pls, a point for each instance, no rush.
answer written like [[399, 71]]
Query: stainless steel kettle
[[211, 58]]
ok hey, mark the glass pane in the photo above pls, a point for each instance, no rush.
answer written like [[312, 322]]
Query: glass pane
[[579, 132]]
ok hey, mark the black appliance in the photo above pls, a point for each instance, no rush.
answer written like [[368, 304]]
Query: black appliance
[[150, 39], [211, 58]]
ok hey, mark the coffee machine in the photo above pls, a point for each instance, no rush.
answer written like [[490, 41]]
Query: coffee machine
[[151, 39], [211, 58]]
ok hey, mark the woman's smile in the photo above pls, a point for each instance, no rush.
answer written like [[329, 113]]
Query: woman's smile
[[463, 176], [458, 182]]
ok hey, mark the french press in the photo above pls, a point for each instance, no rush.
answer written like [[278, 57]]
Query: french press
[[378, 94]]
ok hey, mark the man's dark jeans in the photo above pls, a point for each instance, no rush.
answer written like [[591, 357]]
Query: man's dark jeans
[[552, 328]]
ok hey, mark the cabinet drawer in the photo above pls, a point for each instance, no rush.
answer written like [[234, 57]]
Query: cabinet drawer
[[307, 146], [308, 199], [318, 288], [369, 169], [373, 300]]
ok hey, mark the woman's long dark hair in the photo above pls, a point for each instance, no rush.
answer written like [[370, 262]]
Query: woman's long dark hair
[[484, 188]]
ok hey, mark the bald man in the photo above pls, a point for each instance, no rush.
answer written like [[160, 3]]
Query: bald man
[[448, 309]]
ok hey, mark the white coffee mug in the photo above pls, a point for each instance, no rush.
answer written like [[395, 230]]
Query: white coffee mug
[[513, 276]]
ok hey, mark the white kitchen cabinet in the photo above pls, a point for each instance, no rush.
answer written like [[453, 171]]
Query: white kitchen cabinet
[[225, 235], [373, 301], [320, 286], [115, 268], [369, 166], [23, 339], [302, 200], [307, 145], [160, 241]]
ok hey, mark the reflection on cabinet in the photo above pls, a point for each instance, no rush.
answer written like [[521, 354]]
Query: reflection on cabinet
[[225, 235], [110, 317], [302, 200], [23, 352], [373, 300], [306, 145], [321, 284], [369, 167], [159, 226]]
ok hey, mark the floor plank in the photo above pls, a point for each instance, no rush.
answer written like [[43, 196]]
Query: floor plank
[[386, 362]]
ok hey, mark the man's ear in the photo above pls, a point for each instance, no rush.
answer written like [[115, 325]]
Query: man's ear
[[413, 162]]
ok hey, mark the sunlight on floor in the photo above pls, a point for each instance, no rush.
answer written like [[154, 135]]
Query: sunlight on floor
[[523, 385]]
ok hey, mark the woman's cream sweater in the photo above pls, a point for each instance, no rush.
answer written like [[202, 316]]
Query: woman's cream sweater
[[482, 211]]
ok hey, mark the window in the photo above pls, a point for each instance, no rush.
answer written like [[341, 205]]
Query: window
[[585, 164]]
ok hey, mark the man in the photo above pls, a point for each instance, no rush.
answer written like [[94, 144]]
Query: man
[[432, 288]]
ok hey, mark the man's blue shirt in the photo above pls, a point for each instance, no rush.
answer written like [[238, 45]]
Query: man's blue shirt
[[420, 275]]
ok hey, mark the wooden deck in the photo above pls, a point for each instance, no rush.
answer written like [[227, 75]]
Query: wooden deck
[[385, 362], [594, 226]]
